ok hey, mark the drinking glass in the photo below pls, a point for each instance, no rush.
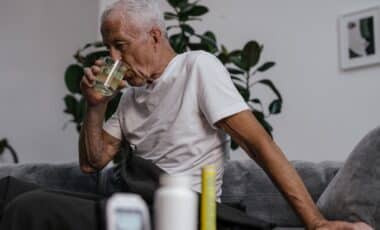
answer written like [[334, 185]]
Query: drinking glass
[[110, 76]]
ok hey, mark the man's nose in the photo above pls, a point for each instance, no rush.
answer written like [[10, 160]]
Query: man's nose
[[115, 54]]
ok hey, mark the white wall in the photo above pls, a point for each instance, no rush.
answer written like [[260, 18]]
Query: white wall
[[325, 113], [37, 41]]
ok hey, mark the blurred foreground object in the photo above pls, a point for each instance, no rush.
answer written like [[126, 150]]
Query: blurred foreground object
[[208, 198], [175, 204], [126, 211]]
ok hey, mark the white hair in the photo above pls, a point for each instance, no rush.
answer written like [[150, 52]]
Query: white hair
[[143, 13]]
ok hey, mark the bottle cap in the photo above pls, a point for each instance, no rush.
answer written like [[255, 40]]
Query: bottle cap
[[175, 180]]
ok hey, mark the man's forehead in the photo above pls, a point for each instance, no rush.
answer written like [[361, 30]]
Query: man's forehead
[[117, 25], [111, 24]]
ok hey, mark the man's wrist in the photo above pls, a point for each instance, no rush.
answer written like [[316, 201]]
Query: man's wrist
[[94, 116], [316, 223], [98, 107]]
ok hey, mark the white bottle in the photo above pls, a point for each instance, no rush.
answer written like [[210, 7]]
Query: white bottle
[[175, 204]]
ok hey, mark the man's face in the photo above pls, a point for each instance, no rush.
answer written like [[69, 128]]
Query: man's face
[[132, 45]]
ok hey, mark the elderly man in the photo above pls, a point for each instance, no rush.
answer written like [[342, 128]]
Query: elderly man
[[176, 114]]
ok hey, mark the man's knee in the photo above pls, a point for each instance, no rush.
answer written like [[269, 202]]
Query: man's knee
[[11, 187], [30, 210], [50, 208], [33, 202]]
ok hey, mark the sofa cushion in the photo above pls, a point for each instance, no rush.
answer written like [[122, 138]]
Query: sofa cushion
[[353, 194], [55, 176], [245, 185]]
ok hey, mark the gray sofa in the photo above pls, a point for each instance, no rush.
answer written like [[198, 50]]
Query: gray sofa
[[247, 186]]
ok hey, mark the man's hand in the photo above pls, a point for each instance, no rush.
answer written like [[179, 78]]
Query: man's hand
[[88, 82], [341, 225], [96, 147]]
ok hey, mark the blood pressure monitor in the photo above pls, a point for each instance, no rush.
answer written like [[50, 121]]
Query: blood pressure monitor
[[127, 212]]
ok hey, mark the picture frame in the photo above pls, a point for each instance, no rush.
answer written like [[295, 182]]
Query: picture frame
[[359, 38]]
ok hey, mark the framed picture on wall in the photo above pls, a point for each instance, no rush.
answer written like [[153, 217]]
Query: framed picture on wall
[[359, 38]]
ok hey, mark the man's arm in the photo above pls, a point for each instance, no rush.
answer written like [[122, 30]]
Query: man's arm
[[250, 135], [96, 147]]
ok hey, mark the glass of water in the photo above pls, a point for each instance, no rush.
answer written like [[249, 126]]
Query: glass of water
[[110, 76]]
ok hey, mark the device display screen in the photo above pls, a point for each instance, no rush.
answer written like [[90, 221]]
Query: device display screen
[[128, 219]]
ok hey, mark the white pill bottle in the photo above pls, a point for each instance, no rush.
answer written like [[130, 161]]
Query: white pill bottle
[[175, 204]]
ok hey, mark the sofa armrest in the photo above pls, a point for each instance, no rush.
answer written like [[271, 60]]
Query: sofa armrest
[[246, 186]]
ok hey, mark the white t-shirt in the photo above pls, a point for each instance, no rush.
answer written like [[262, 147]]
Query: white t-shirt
[[171, 121]]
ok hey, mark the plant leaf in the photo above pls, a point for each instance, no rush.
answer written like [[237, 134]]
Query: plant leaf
[[266, 66], [92, 57], [223, 58], [98, 44], [170, 16], [271, 86], [256, 101], [238, 79], [251, 54], [73, 76], [170, 27], [186, 8], [183, 16], [234, 145], [176, 3], [235, 57], [243, 92], [223, 55], [3, 144], [235, 71], [197, 11], [194, 19], [179, 42], [209, 39], [275, 106], [187, 29], [224, 49], [197, 46], [87, 46], [71, 105]]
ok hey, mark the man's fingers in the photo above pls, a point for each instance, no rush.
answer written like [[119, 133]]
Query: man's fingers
[[99, 62], [342, 225], [355, 226], [89, 74], [362, 226], [122, 85], [95, 69], [86, 83]]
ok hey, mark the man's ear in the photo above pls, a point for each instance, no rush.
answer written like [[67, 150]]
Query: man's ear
[[156, 35]]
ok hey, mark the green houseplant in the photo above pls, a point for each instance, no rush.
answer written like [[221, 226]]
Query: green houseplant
[[242, 64]]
